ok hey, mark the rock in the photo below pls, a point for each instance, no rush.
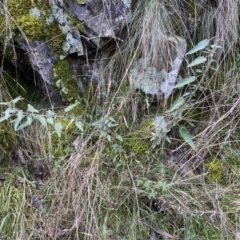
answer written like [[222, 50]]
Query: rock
[[102, 19], [49, 31], [159, 83]]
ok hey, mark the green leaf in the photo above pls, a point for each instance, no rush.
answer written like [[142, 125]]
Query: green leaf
[[30, 119], [18, 119], [109, 138], [51, 113], [20, 115], [70, 107], [152, 194], [185, 81], [3, 119], [147, 185], [8, 112], [79, 125], [168, 139], [16, 99], [58, 128], [42, 120], [139, 182], [50, 120], [197, 61], [177, 104], [162, 185], [187, 137], [119, 138], [201, 45], [111, 119], [25, 124], [32, 109]]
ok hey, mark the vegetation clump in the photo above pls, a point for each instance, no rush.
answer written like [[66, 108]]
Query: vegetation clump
[[65, 82], [31, 18], [139, 141], [214, 169], [103, 178]]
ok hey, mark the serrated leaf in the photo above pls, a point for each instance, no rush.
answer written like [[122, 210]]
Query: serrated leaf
[[187, 137], [58, 128], [42, 120], [25, 124], [201, 45], [50, 120], [177, 104], [32, 109], [185, 81], [70, 107], [79, 125], [197, 61], [16, 99]]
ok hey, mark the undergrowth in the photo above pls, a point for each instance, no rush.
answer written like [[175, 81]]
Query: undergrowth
[[100, 169]]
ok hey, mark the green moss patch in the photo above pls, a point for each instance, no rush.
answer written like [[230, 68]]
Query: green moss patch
[[215, 170], [34, 19], [139, 141], [66, 83]]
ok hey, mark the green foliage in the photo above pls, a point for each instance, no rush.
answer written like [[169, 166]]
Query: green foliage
[[113, 192], [187, 137], [34, 26], [175, 109], [23, 119], [13, 198], [65, 82], [139, 141], [104, 128], [214, 169], [152, 189]]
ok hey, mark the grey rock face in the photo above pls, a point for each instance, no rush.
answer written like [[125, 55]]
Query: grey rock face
[[86, 27], [159, 83], [102, 19]]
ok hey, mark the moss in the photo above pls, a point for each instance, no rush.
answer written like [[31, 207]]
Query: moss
[[215, 170], [66, 83], [35, 27], [31, 26], [139, 141]]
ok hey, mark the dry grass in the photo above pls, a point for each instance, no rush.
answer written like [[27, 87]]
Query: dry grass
[[84, 186]]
